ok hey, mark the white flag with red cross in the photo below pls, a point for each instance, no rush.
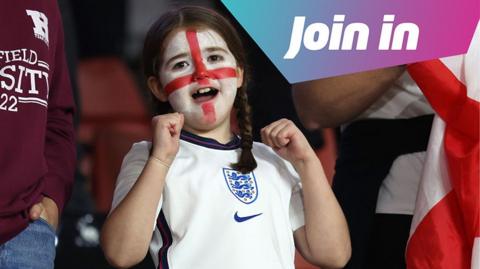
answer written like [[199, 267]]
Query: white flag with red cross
[[445, 231]]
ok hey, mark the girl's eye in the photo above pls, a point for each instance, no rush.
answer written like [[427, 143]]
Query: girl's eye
[[180, 65], [214, 58]]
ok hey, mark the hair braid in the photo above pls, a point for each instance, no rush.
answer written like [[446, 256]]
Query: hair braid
[[246, 162]]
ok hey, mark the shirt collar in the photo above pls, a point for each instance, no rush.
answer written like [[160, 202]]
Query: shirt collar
[[209, 142]]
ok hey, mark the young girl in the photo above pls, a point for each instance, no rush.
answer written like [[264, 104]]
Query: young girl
[[201, 197]]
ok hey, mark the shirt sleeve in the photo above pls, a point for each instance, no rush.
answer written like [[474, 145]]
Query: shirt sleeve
[[132, 167], [60, 151], [296, 209], [297, 216]]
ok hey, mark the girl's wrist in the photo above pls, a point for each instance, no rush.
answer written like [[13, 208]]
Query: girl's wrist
[[303, 163], [162, 156], [159, 161]]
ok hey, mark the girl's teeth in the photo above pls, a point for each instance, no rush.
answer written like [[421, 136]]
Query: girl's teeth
[[204, 90]]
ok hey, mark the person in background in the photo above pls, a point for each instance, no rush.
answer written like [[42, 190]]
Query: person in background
[[385, 122], [37, 160]]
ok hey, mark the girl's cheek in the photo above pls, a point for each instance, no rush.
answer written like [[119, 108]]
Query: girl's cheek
[[177, 101]]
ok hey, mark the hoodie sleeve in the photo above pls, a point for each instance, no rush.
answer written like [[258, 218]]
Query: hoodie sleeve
[[60, 148]]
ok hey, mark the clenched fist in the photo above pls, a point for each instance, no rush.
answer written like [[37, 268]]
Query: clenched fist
[[166, 135], [287, 141]]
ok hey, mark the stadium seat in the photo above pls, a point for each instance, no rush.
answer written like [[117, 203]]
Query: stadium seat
[[111, 144], [113, 116], [108, 94]]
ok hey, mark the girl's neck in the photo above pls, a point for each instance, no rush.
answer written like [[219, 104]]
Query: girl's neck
[[222, 133]]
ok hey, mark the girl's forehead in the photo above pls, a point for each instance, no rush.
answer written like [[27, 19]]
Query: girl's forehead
[[206, 38]]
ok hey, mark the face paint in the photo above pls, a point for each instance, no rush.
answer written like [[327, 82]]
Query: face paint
[[200, 74], [209, 112], [195, 62]]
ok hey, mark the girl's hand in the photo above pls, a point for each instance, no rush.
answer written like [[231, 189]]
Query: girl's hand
[[288, 142], [166, 135]]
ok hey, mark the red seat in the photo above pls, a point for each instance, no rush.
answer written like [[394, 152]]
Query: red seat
[[111, 145], [113, 116], [108, 94]]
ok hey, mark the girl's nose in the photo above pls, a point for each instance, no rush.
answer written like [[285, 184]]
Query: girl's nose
[[201, 76]]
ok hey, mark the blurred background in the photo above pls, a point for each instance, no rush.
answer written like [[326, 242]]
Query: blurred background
[[104, 40]]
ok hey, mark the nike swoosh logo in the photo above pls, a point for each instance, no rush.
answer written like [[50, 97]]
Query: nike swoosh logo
[[242, 219]]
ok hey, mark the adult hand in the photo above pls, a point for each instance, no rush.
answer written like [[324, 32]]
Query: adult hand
[[47, 209], [166, 136]]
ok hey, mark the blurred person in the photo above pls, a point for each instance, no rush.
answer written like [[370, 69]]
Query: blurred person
[[385, 122], [197, 182], [37, 161]]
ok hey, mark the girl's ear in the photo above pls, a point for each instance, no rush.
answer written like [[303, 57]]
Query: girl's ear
[[157, 89], [239, 77]]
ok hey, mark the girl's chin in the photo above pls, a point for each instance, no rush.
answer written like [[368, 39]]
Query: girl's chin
[[206, 120], [200, 123]]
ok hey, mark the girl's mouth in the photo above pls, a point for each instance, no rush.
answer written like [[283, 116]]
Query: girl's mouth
[[204, 94]]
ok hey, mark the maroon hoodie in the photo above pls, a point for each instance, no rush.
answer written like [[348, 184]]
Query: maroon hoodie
[[37, 148]]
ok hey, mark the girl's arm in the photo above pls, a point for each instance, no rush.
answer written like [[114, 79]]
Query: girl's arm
[[127, 232], [324, 240]]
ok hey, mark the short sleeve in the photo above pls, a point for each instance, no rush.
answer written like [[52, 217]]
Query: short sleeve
[[297, 216], [132, 166], [296, 209]]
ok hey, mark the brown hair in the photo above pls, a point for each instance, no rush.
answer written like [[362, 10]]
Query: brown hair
[[199, 17]]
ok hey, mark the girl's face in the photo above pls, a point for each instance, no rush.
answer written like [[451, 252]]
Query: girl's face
[[200, 77]]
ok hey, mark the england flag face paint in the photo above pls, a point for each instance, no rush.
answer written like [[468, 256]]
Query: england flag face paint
[[199, 75]]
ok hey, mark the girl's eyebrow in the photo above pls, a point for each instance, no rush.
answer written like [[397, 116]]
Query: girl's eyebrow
[[213, 49], [181, 55], [186, 54]]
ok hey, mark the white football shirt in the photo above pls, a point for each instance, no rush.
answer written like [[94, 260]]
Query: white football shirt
[[211, 216], [398, 191]]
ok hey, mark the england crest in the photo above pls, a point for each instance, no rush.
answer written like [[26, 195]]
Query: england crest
[[242, 186]]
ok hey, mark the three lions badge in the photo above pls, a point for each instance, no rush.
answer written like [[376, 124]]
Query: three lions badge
[[242, 186]]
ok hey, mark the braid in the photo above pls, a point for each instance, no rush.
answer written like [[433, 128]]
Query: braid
[[246, 162]]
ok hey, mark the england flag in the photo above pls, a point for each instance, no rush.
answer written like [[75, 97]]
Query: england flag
[[445, 231]]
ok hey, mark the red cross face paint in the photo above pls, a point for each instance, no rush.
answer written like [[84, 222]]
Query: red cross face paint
[[199, 76]]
